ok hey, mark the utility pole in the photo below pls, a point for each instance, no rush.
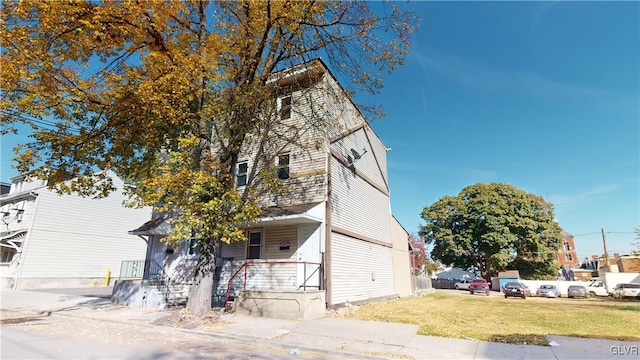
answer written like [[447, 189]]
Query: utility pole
[[606, 254]]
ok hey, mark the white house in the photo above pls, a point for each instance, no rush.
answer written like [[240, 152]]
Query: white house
[[330, 237], [49, 240]]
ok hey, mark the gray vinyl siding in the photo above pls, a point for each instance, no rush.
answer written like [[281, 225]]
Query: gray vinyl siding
[[274, 236], [357, 206], [304, 140], [262, 276], [236, 250], [75, 237], [368, 163], [380, 151], [343, 115], [359, 270]]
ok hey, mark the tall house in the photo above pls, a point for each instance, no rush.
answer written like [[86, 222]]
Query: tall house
[[330, 229], [567, 255]]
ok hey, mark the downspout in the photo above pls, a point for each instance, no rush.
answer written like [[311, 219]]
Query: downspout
[[328, 234], [25, 244]]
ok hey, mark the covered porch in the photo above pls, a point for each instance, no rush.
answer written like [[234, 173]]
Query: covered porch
[[276, 272]]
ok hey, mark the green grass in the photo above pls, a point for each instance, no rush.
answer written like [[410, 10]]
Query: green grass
[[513, 320]]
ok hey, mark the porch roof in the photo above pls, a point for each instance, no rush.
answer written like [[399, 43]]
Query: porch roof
[[289, 215], [157, 226], [15, 236], [273, 215]]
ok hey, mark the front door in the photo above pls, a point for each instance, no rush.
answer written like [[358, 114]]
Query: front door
[[157, 263], [309, 252]]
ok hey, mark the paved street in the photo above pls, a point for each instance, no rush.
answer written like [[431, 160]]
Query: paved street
[[78, 325], [28, 335]]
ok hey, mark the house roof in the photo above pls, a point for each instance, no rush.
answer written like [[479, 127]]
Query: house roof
[[274, 214]]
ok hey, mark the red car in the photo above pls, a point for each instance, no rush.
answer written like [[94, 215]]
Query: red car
[[516, 289], [479, 285]]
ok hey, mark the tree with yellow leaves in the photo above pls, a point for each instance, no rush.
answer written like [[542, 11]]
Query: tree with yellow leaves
[[167, 93]]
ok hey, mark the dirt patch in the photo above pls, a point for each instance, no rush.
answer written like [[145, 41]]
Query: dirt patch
[[183, 319]]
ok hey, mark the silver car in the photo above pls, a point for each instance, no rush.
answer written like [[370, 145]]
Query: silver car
[[548, 291]]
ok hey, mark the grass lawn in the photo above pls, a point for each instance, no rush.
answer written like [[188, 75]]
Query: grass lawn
[[512, 320]]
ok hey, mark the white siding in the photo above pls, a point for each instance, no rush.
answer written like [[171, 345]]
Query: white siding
[[303, 137], [236, 250], [74, 237], [380, 151], [359, 270], [368, 163], [274, 236], [357, 206]]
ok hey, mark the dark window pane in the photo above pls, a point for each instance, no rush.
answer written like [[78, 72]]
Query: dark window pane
[[242, 180], [283, 173], [254, 252], [242, 168], [285, 107], [254, 238]]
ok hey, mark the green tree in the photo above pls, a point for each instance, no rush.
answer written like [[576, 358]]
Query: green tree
[[168, 93], [492, 227]]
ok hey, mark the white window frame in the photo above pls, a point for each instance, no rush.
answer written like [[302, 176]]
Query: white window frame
[[245, 174], [280, 167], [285, 106], [190, 251]]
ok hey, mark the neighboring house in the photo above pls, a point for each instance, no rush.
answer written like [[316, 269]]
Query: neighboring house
[[567, 256], [330, 236], [49, 240], [617, 263]]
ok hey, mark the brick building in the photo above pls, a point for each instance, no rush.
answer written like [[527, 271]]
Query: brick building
[[567, 255]]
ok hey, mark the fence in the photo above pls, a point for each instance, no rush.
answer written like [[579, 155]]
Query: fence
[[443, 283], [134, 269]]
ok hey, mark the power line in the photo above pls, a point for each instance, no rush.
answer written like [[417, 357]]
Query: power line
[[607, 232]]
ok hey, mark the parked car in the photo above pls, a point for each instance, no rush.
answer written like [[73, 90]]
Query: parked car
[[479, 285], [577, 291], [548, 291], [516, 289], [627, 290], [462, 284]]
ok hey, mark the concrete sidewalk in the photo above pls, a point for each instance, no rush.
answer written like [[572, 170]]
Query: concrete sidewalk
[[333, 337]]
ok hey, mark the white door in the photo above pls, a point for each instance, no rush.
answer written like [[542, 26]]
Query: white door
[[159, 252], [309, 252]]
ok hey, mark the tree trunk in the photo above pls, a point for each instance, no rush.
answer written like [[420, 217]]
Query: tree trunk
[[201, 292]]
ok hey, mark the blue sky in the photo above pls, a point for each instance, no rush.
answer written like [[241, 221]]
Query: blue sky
[[541, 95]]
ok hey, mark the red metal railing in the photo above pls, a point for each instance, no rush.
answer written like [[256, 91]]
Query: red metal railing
[[246, 264]]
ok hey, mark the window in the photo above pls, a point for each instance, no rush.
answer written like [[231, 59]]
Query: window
[[193, 247], [253, 247], [6, 254], [282, 166], [241, 174], [568, 257], [567, 247], [285, 107]]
